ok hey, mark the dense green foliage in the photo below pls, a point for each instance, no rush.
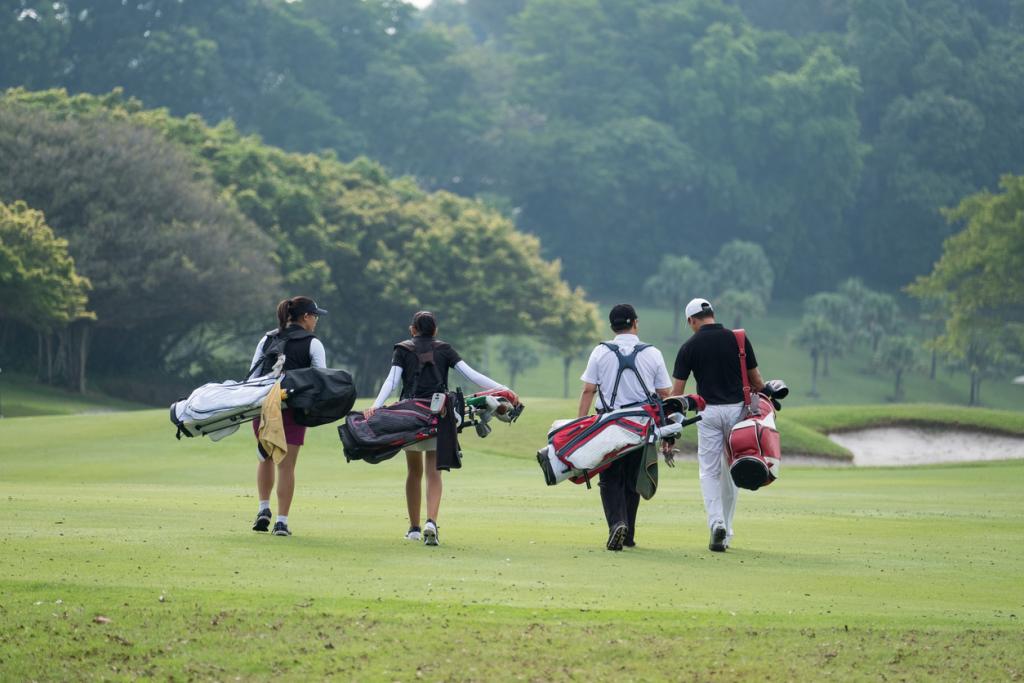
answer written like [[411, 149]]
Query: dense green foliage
[[120, 521], [831, 133], [190, 230], [41, 292], [39, 286], [977, 288]]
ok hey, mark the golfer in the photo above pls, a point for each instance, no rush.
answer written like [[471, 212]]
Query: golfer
[[420, 366], [713, 356], [607, 379], [297, 318]]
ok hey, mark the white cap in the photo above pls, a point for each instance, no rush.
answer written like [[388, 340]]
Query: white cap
[[697, 305]]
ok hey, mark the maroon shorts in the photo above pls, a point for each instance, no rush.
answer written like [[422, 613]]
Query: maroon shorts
[[294, 434]]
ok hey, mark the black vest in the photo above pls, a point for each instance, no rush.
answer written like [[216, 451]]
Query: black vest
[[296, 349]]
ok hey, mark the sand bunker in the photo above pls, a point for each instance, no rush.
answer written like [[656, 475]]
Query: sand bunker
[[898, 446]]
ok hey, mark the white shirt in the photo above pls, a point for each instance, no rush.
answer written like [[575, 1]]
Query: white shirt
[[603, 366]]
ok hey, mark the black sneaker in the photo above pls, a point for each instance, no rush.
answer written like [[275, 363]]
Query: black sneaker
[[616, 536], [262, 522], [281, 529], [718, 534], [629, 543]]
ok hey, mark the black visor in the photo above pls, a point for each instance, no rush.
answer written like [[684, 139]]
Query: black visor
[[308, 307]]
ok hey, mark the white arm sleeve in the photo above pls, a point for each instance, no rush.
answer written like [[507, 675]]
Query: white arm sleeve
[[481, 380], [259, 354], [317, 354], [393, 380]]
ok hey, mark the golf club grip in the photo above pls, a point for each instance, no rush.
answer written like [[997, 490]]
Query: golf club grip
[[691, 420]]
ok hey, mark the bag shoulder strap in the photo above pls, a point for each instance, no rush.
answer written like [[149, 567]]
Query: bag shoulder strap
[[741, 341], [270, 335], [627, 361]]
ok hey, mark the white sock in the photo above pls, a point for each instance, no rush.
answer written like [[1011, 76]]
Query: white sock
[[283, 519], [264, 505]]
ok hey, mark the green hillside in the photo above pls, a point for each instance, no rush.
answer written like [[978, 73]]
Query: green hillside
[[852, 379], [21, 396]]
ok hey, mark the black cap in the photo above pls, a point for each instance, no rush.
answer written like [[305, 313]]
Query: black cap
[[304, 307], [622, 316]]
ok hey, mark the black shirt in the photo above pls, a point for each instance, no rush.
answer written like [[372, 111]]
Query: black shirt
[[713, 356], [445, 357]]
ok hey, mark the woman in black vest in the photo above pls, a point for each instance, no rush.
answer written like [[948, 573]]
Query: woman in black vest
[[423, 381], [297, 318]]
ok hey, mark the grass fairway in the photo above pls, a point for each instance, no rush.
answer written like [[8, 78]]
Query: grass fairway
[[845, 574]]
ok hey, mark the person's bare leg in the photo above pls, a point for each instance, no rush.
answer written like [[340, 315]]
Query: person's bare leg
[[264, 478], [286, 480], [413, 487], [434, 485]]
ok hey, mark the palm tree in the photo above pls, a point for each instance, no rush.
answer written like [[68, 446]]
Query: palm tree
[[740, 304], [896, 355], [840, 311], [678, 279], [817, 336], [519, 354]]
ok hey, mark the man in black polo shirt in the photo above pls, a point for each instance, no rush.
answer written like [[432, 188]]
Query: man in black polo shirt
[[713, 356]]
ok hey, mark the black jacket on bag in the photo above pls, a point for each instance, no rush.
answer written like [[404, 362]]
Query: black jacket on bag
[[318, 396]]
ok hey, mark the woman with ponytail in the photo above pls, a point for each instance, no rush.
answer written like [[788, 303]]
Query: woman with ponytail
[[420, 366], [296, 321]]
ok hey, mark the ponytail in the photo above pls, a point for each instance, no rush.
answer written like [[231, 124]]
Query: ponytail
[[425, 323], [284, 314]]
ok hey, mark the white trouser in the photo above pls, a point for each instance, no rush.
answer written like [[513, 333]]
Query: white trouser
[[715, 481]]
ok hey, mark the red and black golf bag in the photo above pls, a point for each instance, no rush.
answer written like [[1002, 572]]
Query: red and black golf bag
[[753, 448]]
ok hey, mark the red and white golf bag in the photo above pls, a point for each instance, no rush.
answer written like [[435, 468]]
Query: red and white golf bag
[[753, 448], [580, 449]]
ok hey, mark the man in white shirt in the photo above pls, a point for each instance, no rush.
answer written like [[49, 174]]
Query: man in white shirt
[[622, 373]]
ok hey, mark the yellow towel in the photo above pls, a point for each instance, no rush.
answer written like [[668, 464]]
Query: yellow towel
[[271, 435]]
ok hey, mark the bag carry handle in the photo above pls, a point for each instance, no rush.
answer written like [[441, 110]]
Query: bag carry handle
[[741, 340]]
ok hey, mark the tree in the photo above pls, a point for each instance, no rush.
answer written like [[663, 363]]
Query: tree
[[816, 335], [896, 355], [740, 304], [352, 230], [978, 282], [874, 313], [39, 286], [743, 267], [677, 280], [841, 312], [519, 355], [570, 329], [164, 253]]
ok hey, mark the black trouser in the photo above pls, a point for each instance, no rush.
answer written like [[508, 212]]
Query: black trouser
[[618, 492]]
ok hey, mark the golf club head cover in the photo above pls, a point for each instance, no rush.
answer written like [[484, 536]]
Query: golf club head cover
[[776, 389], [669, 431], [695, 403]]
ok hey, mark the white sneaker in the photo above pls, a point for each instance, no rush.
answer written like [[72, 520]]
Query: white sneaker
[[430, 533], [413, 534]]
